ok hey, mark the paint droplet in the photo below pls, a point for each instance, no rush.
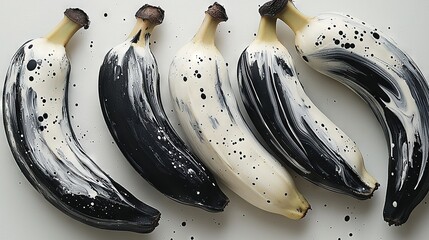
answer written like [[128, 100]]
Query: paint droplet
[[31, 65], [347, 218], [305, 58]]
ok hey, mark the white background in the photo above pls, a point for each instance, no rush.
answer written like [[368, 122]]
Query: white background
[[25, 214]]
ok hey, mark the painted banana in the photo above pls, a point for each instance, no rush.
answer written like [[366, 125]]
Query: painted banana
[[44, 145], [129, 90], [367, 61], [292, 126], [209, 116]]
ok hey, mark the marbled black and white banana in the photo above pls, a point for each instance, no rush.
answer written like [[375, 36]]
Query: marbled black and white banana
[[209, 115], [39, 132], [129, 89], [293, 127], [370, 63]]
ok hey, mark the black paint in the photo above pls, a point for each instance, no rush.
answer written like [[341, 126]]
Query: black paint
[[270, 109], [31, 65], [369, 79], [162, 158]]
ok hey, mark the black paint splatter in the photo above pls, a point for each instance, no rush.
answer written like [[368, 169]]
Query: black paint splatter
[[347, 218], [31, 65]]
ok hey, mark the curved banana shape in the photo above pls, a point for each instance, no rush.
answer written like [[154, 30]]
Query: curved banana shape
[[209, 116], [131, 104], [367, 61], [44, 145], [292, 126]]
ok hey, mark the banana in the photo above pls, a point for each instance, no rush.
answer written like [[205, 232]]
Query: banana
[[39, 133], [209, 115], [371, 64], [292, 126], [129, 90]]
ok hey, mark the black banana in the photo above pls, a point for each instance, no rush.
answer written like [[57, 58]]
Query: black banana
[[38, 130], [293, 127], [364, 59], [129, 90]]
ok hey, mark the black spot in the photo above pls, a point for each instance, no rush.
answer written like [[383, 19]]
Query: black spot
[[376, 35], [198, 75], [336, 41], [105, 14], [31, 65], [185, 79], [45, 115], [305, 58], [40, 118], [347, 218], [203, 96], [30, 46], [183, 224], [31, 78]]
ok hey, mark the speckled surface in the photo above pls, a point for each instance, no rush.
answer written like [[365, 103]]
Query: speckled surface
[[25, 214]]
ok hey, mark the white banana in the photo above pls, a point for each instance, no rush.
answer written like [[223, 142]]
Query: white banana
[[209, 115]]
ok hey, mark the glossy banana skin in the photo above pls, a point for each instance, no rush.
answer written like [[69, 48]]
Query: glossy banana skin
[[38, 130], [364, 59], [299, 133], [131, 104]]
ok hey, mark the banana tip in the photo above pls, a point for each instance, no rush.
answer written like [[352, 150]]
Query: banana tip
[[272, 8], [151, 13], [218, 12], [78, 16]]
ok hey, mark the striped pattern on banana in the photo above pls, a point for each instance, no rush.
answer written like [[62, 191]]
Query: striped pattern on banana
[[293, 127], [41, 138]]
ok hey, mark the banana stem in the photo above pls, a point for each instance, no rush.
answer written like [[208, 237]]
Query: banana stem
[[63, 32], [207, 31], [148, 17], [141, 29], [293, 17], [267, 29]]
